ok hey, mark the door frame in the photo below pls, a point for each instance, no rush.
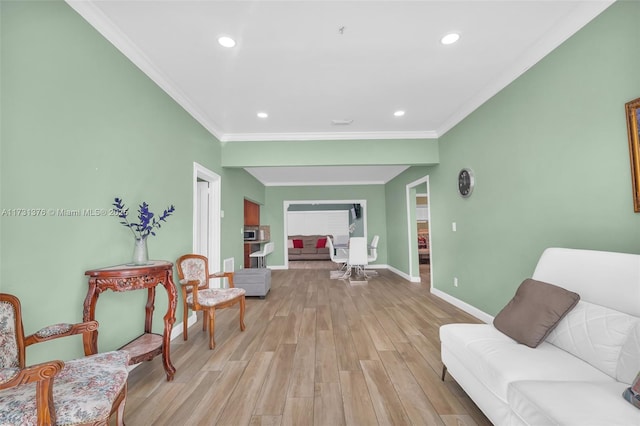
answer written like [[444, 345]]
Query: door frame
[[202, 173], [412, 233], [287, 203]]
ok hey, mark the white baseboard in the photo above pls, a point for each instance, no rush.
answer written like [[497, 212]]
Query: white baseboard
[[277, 267], [471, 310], [377, 266], [402, 274]]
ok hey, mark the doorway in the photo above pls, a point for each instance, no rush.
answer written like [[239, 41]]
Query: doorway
[[422, 229], [206, 215], [358, 226], [418, 233]]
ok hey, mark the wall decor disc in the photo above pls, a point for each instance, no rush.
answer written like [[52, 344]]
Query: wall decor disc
[[466, 182]]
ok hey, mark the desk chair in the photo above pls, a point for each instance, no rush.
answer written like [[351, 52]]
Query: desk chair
[[262, 254], [338, 259], [373, 254], [341, 239], [358, 255], [373, 249]]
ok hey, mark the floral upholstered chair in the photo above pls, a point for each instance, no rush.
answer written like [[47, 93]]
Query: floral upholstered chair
[[85, 391], [193, 272]]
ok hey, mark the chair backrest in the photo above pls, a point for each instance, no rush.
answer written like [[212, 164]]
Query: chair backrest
[[332, 252], [373, 249], [358, 253], [11, 333], [268, 248], [193, 267], [341, 239]]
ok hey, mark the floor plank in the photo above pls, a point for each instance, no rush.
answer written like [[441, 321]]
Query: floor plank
[[316, 351]]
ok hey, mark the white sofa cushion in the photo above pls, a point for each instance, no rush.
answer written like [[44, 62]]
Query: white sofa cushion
[[497, 360], [604, 278], [629, 363], [538, 403], [594, 334]]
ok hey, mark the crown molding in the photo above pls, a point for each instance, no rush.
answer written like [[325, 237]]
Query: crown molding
[[314, 136], [109, 30], [316, 183], [585, 12]]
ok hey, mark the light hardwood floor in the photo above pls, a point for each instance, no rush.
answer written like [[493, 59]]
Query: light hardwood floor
[[316, 351]]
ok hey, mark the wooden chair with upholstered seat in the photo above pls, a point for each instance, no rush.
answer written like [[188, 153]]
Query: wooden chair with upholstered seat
[[84, 391], [193, 272]]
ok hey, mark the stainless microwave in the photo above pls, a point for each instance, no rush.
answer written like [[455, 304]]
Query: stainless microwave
[[250, 234]]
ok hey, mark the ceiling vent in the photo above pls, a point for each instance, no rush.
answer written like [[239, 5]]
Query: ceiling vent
[[341, 122]]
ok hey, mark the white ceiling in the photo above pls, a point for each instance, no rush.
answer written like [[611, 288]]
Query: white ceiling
[[326, 175], [307, 63]]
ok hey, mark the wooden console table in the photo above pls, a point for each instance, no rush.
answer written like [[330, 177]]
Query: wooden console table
[[121, 278]]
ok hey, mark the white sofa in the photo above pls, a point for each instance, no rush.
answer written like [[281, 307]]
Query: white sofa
[[578, 374]]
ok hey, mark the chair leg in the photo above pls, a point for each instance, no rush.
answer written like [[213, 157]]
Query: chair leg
[[184, 322], [444, 371], [204, 320], [242, 326], [120, 410], [212, 326]]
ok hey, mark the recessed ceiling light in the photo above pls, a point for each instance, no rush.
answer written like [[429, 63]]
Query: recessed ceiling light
[[399, 113], [341, 122], [450, 38], [226, 41], [262, 115]]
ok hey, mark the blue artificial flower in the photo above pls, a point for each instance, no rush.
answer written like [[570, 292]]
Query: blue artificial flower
[[147, 220]]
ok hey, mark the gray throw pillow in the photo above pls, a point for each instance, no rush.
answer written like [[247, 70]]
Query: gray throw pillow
[[534, 311]]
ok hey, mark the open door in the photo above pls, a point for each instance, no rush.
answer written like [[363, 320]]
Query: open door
[[206, 215], [413, 189]]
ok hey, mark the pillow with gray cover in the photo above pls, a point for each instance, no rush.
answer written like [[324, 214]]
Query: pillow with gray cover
[[534, 311]]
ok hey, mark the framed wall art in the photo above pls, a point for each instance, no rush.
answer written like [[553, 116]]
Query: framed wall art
[[633, 127]]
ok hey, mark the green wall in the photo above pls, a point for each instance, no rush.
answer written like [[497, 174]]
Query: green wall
[[239, 185], [551, 161], [80, 126], [397, 227], [272, 213]]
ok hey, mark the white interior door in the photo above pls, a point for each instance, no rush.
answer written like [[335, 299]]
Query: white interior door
[[207, 215], [203, 234]]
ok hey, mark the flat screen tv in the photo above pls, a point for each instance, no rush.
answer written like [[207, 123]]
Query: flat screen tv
[[356, 211]]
